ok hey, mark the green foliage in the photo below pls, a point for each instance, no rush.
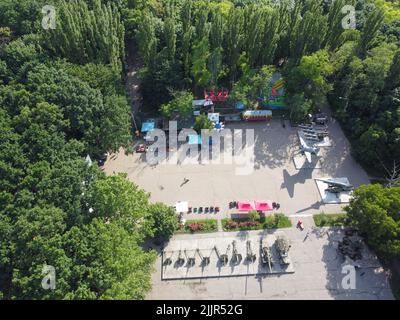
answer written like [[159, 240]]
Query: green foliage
[[251, 84], [202, 123], [146, 38], [371, 28], [330, 220], [368, 105], [17, 53], [299, 108], [271, 221], [201, 75], [181, 104], [390, 8], [165, 220], [374, 210], [86, 34], [21, 17], [254, 215], [277, 220], [55, 209], [309, 77], [199, 226]]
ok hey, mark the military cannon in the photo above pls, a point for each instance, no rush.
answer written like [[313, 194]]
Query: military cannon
[[250, 255], [223, 258], [283, 246], [180, 261], [167, 260], [236, 257], [204, 259], [191, 260], [266, 257], [351, 247]]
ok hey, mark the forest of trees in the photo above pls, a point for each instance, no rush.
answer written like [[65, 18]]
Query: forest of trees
[[62, 97], [197, 44]]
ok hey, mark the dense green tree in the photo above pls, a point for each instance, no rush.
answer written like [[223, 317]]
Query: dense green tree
[[16, 53], [199, 70], [299, 107], [202, 123], [146, 38], [165, 220], [374, 210], [372, 26], [181, 103], [84, 34], [309, 32], [117, 200], [106, 263], [234, 40], [393, 78]]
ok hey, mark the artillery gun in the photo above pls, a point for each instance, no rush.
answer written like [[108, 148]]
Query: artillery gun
[[283, 246], [167, 260], [236, 257], [204, 259], [266, 257], [223, 258], [250, 256], [181, 260], [351, 247], [191, 260]]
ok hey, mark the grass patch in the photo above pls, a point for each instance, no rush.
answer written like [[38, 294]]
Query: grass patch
[[275, 221], [199, 226], [330, 220]]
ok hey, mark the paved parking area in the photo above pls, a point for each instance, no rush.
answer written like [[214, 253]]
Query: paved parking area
[[274, 177], [318, 274], [316, 263]]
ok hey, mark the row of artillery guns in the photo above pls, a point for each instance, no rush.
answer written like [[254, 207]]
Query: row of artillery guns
[[189, 256]]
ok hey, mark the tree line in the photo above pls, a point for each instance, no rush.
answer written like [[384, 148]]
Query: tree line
[[61, 98], [197, 44]]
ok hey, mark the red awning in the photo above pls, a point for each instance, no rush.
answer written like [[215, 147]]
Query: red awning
[[246, 206], [260, 205], [263, 205]]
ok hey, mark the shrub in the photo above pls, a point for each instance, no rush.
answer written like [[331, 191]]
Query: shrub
[[196, 226], [254, 215], [231, 224]]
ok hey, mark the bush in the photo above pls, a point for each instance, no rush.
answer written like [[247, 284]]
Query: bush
[[165, 220], [231, 225], [254, 215], [209, 225], [275, 221], [196, 226]]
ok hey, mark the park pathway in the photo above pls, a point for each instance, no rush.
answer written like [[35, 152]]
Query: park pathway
[[132, 80]]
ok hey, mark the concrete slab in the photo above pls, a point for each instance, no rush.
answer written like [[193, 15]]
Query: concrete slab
[[318, 273], [187, 248], [274, 177], [300, 162], [325, 143]]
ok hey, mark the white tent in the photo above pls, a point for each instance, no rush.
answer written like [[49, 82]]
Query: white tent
[[182, 206]]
